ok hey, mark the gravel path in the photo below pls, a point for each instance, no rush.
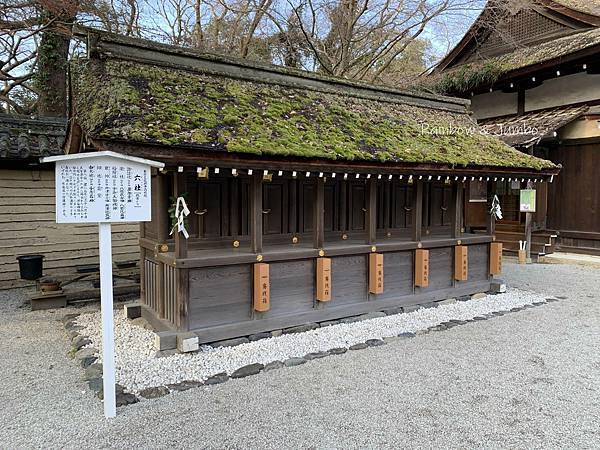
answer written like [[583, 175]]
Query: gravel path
[[138, 368], [525, 380]]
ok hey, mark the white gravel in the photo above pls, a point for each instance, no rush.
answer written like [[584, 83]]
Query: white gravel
[[527, 380], [138, 368]]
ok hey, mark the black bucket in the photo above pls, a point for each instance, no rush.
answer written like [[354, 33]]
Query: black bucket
[[31, 266]]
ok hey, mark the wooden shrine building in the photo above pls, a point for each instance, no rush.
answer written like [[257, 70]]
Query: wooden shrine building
[[532, 71], [311, 198]]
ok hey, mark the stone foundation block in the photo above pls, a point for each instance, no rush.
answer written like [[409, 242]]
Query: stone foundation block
[[187, 342]]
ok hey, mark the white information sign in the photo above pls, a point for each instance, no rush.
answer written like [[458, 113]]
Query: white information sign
[[102, 189]]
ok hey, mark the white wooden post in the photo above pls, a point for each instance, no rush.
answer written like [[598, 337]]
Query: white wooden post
[[108, 326], [104, 187]]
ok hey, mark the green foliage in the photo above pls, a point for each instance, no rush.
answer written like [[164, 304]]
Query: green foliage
[[150, 104]]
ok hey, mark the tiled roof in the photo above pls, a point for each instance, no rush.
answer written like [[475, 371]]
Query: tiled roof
[[26, 138]]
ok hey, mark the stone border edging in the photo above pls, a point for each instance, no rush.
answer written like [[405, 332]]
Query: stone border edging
[[93, 370]]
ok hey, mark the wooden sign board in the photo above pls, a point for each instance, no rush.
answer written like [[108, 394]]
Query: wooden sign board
[[376, 273], [262, 287], [323, 279], [422, 268], [102, 189], [496, 258], [461, 263]]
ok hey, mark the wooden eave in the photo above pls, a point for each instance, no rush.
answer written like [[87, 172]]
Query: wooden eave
[[563, 14], [192, 157], [538, 69]]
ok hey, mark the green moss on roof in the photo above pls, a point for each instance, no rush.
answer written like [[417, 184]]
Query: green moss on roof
[[149, 104], [486, 72]]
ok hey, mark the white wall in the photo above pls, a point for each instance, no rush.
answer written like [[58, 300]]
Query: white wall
[[561, 91], [494, 104]]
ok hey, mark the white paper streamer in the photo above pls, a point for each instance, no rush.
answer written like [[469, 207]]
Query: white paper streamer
[[181, 214], [496, 209]]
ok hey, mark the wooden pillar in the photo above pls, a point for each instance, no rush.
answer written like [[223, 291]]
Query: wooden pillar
[[387, 206], [417, 211], [234, 211], [490, 218], [161, 204], [183, 299], [456, 209], [426, 207], [293, 196], [181, 275], [256, 214], [371, 219], [180, 240], [319, 214], [343, 205]]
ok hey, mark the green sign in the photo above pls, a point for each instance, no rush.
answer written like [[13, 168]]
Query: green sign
[[527, 200]]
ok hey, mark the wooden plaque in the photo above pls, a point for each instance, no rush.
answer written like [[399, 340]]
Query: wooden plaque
[[262, 289], [376, 273], [323, 279], [496, 258], [422, 268], [461, 263]]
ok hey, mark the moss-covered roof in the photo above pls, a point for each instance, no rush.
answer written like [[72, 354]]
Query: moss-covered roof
[[150, 103], [469, 76]]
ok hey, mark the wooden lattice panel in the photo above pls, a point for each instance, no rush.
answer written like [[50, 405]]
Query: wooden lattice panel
[[522, 28]]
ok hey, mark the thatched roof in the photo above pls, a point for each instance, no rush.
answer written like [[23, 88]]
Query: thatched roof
[[487, 71], [591, 7], [135, 91], [530, 128], [26, 138]]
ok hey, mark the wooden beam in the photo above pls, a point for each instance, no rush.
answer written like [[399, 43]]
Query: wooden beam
[[417, 211], [256, 214], [319, 214], [371, 219], [180, 240], [162, 205], [456, 209]]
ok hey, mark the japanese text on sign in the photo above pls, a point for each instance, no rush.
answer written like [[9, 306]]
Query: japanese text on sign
[[102, 189]]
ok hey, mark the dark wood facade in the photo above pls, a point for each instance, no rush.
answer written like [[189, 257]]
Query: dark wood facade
[[207, 285], [310, 199]]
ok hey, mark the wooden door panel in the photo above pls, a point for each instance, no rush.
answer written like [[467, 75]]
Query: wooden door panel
[[307, 193], [210, 209], [274, 208], [357, 207]]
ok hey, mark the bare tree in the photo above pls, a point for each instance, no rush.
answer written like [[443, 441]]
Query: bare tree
[[381, 41]]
